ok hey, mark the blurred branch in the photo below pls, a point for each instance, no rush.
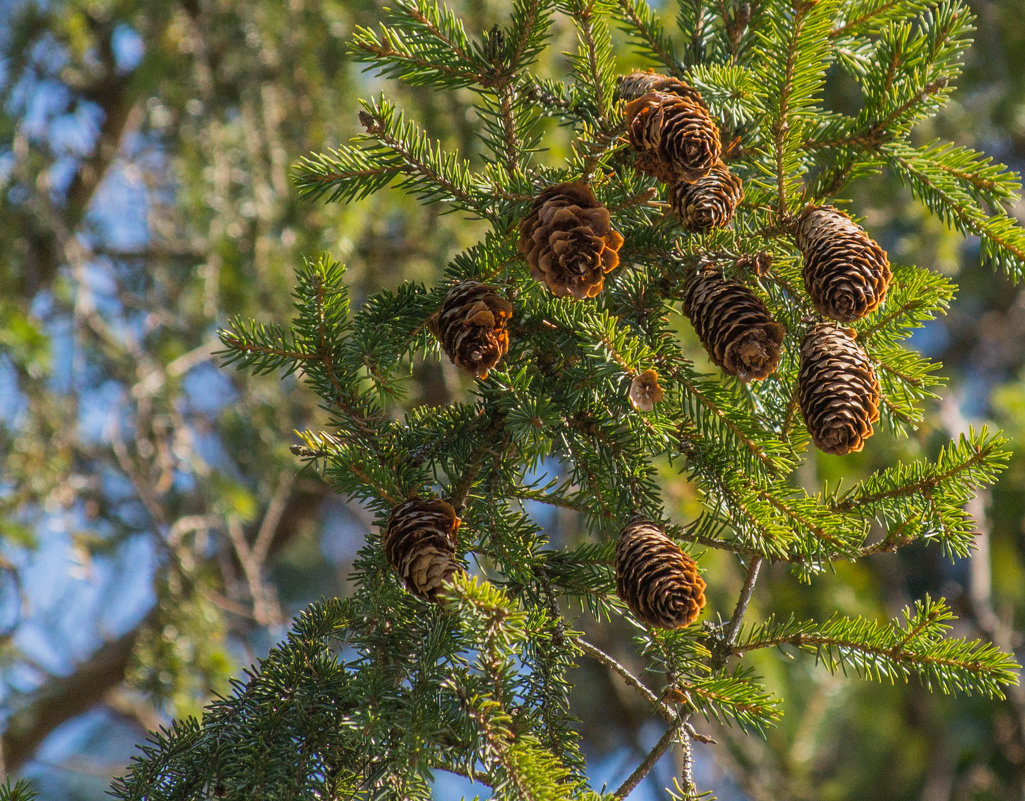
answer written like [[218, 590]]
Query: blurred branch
[[60, 699]]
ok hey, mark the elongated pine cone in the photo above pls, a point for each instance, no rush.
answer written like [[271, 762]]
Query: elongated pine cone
[[837, 389], [420, 544], [735, 327], [568, 241], [636, 84], [656, 579], [845, 271], [471, 326], [675, 137], [708, 202]]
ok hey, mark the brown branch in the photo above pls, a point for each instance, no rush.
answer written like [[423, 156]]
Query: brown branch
[[664, 743], [62, 698]]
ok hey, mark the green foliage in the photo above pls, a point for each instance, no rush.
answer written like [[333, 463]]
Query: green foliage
[[479, 685], [915, 647], [20, 791]]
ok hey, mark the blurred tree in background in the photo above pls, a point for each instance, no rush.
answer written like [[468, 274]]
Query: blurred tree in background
[[155, 535]]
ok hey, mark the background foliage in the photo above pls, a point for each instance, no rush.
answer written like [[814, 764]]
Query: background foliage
[[146, 199]]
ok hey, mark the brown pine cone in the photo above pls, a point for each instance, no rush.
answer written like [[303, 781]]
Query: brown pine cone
[[636, 84], [845, 271], [735, 327], [656, 579], [708, 202], [837, 390], [471, 326], [568, 241], [420, 544], [675, 138], [645, 391]]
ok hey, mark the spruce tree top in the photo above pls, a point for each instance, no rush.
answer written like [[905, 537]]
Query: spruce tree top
[[579, 392]]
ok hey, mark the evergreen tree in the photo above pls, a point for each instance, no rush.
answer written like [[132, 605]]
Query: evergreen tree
[[580, 396]]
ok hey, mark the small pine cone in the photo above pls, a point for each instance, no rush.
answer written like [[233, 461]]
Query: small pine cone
[[837, 390], [674, 136], [645, 391], [656, 579], [471, 326], [708, 202], [845, 271], [734, 326], [420, 544], [568, 241], [637, 84]]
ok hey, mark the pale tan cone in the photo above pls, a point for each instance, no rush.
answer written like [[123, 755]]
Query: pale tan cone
[[675, 138], [656, 579], [837, 390], [740, 335], [471, 326], [420, 544], [846, 272], [709, 202]]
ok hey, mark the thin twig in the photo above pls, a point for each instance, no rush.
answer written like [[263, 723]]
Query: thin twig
[[611, 663], [687, 764], [654, 755], [742, 602]]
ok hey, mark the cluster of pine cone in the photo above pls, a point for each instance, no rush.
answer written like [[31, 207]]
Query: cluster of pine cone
[[569, 244]]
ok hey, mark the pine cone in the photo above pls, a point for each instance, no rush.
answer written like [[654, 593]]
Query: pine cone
[[708, 202], [471, 326], [734, 326], [845, 271], [674, 136], [656, 579], [568, 241], [645, 391], [420, 543], [837, 390], [636, 84]]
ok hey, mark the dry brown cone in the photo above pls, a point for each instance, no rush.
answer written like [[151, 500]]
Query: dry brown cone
[[708, 202], [645, 391], [845, 271], [470, 325], [674, 136], [639, 83], [568, 241], [735, 327], [837, 390], [656, 579], [420, 544]]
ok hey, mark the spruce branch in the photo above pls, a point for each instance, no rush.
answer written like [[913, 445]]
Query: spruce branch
[[647, 33], [890, 651], [731, 632], [425, 45]]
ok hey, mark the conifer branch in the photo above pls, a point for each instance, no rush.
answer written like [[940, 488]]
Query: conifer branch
[[852, 24], [781, 125], [642, 23], [512, 142], [596, 73], [424, 162], [730, 636], [480, 685], [664, 743], [596, 653], [981, 450], [917, 648], [752, 445]]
